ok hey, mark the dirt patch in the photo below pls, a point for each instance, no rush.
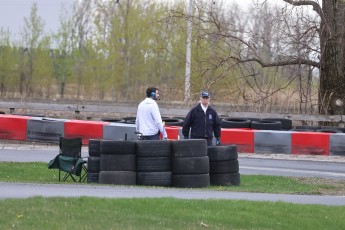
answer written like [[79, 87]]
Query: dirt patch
[[334, 187]]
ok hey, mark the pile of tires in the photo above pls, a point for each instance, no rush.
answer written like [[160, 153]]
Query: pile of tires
[[183, 163], [235, 123], [117, 162], [258, 124], [190, 164], [286, 124], [266, 125], [305, 128], [93, 162], [224, 166], [154, 167]]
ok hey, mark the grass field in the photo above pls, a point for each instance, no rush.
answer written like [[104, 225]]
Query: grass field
[[166, 213]]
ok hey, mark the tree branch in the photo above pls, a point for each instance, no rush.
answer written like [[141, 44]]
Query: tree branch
[[280, 63], [316, 7]]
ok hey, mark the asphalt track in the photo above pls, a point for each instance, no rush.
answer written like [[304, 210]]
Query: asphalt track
[[26, 190]]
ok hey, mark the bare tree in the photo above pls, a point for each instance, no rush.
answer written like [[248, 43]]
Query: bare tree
[[330, 60]]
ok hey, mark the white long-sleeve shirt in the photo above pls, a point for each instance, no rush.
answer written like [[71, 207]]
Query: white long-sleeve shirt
[[149, 120]]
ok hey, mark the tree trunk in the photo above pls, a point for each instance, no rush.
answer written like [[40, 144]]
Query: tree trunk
[[332, 64]]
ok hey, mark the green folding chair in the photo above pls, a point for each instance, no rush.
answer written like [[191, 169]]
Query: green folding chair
[[69, 161]]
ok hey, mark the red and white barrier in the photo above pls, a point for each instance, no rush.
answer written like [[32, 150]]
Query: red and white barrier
[[85, 129], [14, 127], [243, 138]]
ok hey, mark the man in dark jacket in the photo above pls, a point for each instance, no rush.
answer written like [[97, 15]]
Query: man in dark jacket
[[202, 121]]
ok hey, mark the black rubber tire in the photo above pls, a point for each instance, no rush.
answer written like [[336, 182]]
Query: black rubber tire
[[93, 164], [235, 123], [328, 130], [252, 118], [154, 178], [117, 147], [222, 167], [308, 127], [191, 181], [266, 125], [154, 164], [181, 118], [303, 130], [173, 121], [92, 177], [128, 118], [286, 123], [153, 148], [189, 148], [113, 120], [94, 147], [118, 162], [222, 153], [130, 122], [190, 165], [227, 179], [118, 177]]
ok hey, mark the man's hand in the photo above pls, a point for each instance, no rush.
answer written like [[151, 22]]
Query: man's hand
[[217, 141]]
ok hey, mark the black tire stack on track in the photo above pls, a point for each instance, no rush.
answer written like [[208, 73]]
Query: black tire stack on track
[[266, 125], [154, 167], [224, 166], [235, 123], [93, 162], [190, 164], [117, 162]]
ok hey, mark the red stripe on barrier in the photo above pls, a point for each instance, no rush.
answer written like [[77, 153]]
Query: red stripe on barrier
[[243, 138], [13, 127], [310, 143], [85, 129], [172, 132]]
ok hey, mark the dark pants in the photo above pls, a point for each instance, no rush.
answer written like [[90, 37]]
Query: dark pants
[[152, 137], [209, 141]]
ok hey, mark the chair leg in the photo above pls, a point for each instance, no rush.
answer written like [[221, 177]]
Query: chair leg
[[66, 177], [83, 176]]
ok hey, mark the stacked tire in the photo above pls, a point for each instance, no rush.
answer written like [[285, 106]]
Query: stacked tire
[[224, 166], [117, 162], [190, 164], [93, 162], [154, 167]]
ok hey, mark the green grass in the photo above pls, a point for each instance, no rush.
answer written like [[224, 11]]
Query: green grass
[[164, 213], [39, 172]]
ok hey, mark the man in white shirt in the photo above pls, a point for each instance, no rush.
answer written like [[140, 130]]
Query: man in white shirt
[[149, 121]]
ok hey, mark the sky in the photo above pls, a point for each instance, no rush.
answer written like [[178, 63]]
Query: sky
[[12, 12]]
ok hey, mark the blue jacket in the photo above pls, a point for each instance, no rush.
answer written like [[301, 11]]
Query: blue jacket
[[201, 125]]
